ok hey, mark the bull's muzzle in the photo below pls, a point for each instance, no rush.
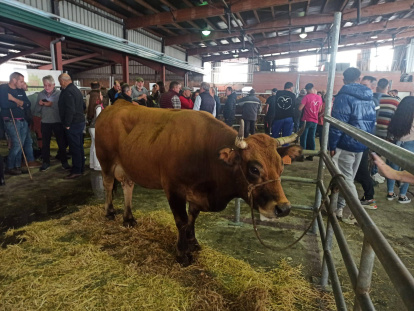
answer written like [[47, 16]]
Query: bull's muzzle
[[282, 210]]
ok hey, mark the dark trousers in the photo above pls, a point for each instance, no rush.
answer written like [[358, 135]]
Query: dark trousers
[[284, 125], [249, 127], [47, 130], [319, 132], [229, 122], [1, 170], [75, 140], [307, 140], [363, 176]]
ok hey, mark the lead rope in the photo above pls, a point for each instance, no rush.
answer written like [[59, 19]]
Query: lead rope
[[251, 187]]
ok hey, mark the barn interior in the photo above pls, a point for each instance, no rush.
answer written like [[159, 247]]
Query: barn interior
[[243, 44]]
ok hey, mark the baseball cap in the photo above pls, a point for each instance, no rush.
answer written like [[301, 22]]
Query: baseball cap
[[139, 79], [186, 88], [274, 90]]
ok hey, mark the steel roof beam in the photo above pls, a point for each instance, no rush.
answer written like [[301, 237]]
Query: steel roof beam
[[72, 60], [379, 9], [193, 13], [23, 53]]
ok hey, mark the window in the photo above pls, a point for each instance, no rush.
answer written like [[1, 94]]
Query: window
[[381, 59]]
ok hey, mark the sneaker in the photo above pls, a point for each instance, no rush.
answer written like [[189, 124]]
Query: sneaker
[[350, 220], [378, 178], [391, 197], [44, 167], [339, 213], [369, 204], [32, 164], [404, 200], [66, 166]]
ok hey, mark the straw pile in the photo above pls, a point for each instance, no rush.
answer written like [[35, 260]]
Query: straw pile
[[83, 262]]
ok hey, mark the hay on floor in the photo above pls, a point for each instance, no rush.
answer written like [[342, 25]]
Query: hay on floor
[[83, 262]]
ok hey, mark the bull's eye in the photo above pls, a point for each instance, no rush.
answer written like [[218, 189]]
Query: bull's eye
[[253, 170]]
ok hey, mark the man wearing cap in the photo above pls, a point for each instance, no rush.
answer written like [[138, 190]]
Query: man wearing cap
[[139, 92], [185, 99], [284, 111]]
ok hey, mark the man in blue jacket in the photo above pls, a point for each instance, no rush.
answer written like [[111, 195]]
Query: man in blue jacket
[[353, 105]]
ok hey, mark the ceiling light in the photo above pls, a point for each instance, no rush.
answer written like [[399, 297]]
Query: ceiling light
[[374, 37], [303, 35], [235, 55], [206, 32]]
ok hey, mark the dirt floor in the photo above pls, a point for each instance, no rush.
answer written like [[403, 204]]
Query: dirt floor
[[49, 196]]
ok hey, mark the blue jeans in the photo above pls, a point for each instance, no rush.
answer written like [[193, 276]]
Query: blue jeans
[[286, 125], [307, 140], [407, 145], [75, 140], [14, 159]]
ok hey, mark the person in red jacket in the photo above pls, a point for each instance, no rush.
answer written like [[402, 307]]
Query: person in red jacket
[[185, 98]]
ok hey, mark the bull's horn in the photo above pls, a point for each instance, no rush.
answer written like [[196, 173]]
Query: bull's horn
[[240, 142], [288, 139]]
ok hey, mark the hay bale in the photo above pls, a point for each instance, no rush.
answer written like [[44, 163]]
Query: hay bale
[[83, 262]]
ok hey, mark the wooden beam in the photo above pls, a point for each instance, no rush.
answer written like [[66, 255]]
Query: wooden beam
[[311, 20], [23, 53], [394, 24], [192, 13], [72, 60]]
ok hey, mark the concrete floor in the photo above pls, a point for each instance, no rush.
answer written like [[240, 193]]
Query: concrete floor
[[49, 195]]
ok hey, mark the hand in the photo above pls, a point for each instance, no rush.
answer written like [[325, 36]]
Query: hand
[[332, 152], [40, 103], [67, 127]]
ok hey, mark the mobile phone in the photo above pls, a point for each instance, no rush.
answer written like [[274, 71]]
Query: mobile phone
[[44, 100]]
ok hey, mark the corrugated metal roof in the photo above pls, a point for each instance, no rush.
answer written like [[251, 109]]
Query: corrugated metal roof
[[43, 20]]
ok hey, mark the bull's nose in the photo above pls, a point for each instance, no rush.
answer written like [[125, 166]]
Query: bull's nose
[[282, 210]]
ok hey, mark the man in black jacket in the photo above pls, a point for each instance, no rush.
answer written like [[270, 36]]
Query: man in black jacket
[[71, 107], [229, 110], [284, 111]]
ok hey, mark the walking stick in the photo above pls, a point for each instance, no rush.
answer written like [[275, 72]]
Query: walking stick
[[21, 146]]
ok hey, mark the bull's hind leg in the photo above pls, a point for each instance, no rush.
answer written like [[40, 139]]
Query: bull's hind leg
[[178, 208], [193, 212], [108, 182], [127, 187]]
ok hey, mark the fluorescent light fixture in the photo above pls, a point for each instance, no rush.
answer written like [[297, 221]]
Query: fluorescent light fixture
[[235, 55], [206, 32], [303, 35], [374, 37]]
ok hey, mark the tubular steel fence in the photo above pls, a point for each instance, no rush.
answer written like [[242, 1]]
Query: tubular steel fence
[[374, 242]]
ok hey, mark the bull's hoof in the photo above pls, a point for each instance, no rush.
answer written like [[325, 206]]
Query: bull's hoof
[[185, 260], [130, 222], [110, 216], [193, 246]]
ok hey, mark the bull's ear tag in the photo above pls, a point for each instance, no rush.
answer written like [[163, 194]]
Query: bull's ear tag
[[227, 155]]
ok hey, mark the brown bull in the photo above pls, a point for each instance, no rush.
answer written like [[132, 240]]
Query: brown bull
[[194, 158]]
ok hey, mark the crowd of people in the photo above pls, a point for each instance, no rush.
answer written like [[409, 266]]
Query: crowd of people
[[365, 103]]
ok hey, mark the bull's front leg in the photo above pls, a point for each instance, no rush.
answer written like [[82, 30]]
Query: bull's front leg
[[193, 212], [128, 188], [178, 208]]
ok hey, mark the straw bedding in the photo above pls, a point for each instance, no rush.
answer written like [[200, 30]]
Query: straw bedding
[[83, 262]]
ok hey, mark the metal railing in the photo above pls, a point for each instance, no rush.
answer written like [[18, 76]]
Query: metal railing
[[374, 243]]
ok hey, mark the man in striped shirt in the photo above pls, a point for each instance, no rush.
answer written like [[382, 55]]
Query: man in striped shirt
[[388, 105]]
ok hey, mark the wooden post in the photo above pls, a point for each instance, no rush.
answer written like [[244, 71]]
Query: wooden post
[[59, 61], [125, 68]]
